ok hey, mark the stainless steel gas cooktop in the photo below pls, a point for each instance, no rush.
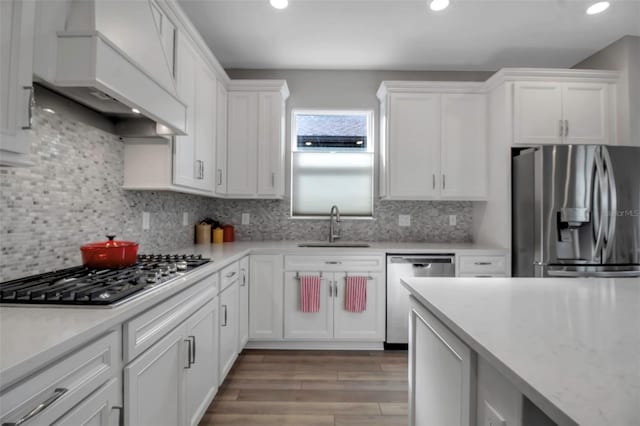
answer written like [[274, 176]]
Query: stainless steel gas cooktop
[[80, 286]]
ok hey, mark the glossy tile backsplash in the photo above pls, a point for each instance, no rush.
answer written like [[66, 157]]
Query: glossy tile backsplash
[[73, 195], [269, 220]]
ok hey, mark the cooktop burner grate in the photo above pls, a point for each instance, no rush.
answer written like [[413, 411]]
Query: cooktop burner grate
[[83, 286]]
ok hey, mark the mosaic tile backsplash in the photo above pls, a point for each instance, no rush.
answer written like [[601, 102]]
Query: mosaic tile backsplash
[[73, 195]]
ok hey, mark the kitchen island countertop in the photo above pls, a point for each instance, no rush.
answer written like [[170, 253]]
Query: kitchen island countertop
[[572, 346]]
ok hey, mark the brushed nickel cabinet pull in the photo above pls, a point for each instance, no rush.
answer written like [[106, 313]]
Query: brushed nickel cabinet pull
[[483, 263], [189, 353], [566, 127], [561, 128], [57, 393], [30, 103], [433, 178], [225, 316], [219, 177]]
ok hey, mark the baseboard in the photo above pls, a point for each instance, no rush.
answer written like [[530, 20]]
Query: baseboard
[[315, 345]]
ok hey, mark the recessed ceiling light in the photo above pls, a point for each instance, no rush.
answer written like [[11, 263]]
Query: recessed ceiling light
[[438, 5], [279, 4], [598, 7], [135, 110], [49, 110]]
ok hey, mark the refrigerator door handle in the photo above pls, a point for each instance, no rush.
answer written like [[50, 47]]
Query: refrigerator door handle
[[613, 205], [599, 211]]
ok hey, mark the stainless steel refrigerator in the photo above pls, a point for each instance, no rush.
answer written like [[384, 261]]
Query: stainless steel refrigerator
[[576, 211]]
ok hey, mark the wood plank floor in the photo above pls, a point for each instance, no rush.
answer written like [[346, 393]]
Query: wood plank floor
[[313, 388]]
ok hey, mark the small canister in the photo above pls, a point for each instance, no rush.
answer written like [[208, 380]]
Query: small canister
[[228, 233], [203, 233], [218, 236]]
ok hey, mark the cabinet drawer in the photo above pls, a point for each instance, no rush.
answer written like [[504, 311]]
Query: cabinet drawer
[[65, 383], [147, 328], [229, 274], [482, 265], [479, 275], [334, 263]]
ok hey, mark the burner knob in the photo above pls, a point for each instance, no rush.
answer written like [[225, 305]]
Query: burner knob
[[198, 256], [173, 268], [181, 265], [152, 276]]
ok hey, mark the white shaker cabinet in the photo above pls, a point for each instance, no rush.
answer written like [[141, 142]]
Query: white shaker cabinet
[[202, 374], [16, 87], [229, 306], [194, 162], [255, 139], [441, 373], [463, 156], [154, 383], [367, 325], [434, 141], [266, 297], [300, 325], [243, 320], [413, 145], [547, 112]]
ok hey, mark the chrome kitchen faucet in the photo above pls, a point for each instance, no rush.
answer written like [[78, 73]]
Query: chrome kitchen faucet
[[334, 232]]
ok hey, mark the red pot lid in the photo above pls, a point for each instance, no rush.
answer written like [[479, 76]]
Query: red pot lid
[[110, 243]]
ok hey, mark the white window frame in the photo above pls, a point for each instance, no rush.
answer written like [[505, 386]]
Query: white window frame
[[370, 114]]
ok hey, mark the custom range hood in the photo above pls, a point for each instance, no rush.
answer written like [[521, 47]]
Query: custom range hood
[[116, 57]]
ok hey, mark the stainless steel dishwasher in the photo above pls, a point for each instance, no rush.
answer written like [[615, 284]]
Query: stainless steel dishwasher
[[406, 266]]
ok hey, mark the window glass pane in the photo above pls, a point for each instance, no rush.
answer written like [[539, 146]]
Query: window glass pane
[[322, 179], [336, 131]]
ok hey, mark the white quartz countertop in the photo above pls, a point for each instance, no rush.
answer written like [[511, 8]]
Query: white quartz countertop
[[31, 337], [572, 346]]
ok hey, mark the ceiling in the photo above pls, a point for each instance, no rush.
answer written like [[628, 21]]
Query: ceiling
[[480, 35]]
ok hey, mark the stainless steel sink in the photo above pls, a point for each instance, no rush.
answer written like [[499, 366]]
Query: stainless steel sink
[[336, 245]]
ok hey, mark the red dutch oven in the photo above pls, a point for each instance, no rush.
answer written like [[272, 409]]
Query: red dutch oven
[[109, 254]]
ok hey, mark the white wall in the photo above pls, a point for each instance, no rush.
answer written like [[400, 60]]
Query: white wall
[[622, 56], [325, 89]]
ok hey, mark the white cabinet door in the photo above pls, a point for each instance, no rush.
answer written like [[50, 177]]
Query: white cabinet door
[[367, 325], [202, 374], [300, 325], [413, 146], [154, 383], [206, 93], [243, 320], [270, 144], [441, 370], [266, 297], [229, 306], [537, 113], [96, 409], [16, 88], [185, 168], [221, 140], [242, 144], [464, 147], [586, 113]]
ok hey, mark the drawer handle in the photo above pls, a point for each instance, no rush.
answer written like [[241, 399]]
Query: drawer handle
[[483, 263], [225, 316], [244, 278], [332, 262], [57, 393], [230, 274], [193, 340], [484, 276], [189, 353]]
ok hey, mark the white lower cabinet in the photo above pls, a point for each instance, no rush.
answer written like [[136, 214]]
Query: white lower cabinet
[[174, 379], [154, 384], [266, 297], [202, 375], [333, 321], [229, 307], [441, 373], [243, 320]]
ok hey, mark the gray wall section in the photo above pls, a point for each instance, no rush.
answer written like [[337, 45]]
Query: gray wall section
[[623, 56]]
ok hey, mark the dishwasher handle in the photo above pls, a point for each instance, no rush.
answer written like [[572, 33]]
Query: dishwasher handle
[[422, 261]]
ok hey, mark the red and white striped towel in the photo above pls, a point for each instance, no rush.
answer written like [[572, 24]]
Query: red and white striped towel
[[310, 293], [355, 298]]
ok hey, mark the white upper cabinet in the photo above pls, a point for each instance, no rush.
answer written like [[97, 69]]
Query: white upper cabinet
[[547, 112], [242, 143], [413, 146], [433, 141], [464, 146], [255, 139], [194, 162], [16, 89]]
